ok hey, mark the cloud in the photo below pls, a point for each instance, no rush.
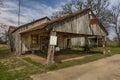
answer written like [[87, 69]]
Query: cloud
[[32, 10], [114, 2]]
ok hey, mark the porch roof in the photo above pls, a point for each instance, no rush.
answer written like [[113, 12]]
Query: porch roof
[[30, 23], [34, 28]]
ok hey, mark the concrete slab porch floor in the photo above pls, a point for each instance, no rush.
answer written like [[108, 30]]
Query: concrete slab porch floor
[[62, 56], [37, 58]]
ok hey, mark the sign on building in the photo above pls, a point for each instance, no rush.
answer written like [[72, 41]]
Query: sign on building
[[53, 40]]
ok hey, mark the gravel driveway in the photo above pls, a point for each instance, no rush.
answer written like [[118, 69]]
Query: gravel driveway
[[103, 69]]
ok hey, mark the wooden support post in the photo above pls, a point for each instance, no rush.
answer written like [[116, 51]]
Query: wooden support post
[[20, 44], [87, 46], [104, 45], [97, 42], [50, 55]]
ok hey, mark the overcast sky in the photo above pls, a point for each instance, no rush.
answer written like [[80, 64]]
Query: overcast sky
[[31, 9]]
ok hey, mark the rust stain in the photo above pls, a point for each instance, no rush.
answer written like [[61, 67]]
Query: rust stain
[[94, 21], [12, 28]]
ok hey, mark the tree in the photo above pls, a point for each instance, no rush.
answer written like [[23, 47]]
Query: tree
[[56, 14], [3, 33], [99, 7], [115, 20], [68, 8]]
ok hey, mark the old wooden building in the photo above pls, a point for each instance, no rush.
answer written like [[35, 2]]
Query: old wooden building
[[45, 34]]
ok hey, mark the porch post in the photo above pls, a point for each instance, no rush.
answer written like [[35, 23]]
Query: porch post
[[50, 55], [20, 44], [87, 45], [104, 45], [97, 41]]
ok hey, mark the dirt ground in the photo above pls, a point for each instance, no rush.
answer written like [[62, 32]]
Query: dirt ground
[[104, 69], [37, 59], [3, 45]]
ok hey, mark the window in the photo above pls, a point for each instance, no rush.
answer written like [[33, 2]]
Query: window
[[34, 39]]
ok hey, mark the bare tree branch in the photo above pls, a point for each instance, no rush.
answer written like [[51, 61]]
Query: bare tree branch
[[115, 13], [3, 32], [99, 7]]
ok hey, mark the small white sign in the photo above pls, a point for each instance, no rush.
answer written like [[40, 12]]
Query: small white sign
[[53, 40]]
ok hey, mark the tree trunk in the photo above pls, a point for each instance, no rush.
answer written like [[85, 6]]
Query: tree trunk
[[118, 40], [118, 36]]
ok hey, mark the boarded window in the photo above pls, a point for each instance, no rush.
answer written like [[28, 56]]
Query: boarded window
[[34, 39]]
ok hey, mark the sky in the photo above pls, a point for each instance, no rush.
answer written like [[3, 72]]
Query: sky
[[31, 10]]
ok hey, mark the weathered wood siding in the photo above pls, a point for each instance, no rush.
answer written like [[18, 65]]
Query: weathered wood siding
[[26, 40], [60, 41], [17, 38], [78, 24], [78, 41]]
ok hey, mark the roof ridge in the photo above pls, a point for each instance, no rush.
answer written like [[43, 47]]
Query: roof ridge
[[69, 15], [31, 22]]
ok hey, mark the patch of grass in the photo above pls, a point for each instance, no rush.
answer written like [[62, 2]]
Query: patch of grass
[[115, 50], [112, 44], [76, 62], [21, 69], [113, 47], [4, 52], [18, 70], [4, 74]]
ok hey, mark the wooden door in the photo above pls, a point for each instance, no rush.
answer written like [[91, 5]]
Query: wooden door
[[68, 43], [44, 40]]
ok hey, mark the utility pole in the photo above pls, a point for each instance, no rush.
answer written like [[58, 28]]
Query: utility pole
[[19, 14]]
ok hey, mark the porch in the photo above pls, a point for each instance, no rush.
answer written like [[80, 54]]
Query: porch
[[64, 55], [38, 43]]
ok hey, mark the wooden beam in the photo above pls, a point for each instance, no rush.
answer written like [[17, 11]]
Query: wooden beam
[[50, 55]]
